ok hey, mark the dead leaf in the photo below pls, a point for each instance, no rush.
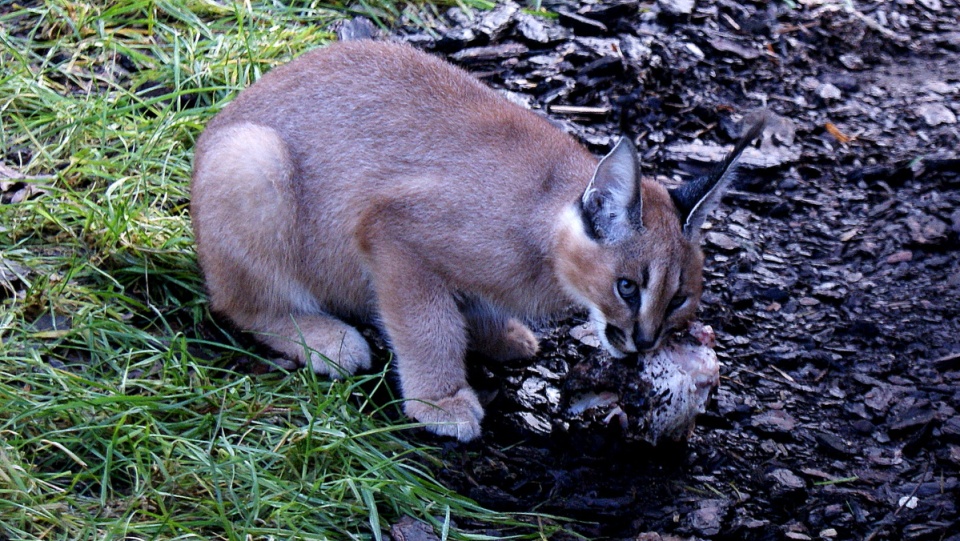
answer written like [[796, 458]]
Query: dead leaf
[[833, 130]]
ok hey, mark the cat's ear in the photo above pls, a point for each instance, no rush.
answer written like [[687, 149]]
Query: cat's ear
[[696, 199], [611, 203]]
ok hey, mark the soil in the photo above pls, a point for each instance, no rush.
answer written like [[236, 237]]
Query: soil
[[831, 276]]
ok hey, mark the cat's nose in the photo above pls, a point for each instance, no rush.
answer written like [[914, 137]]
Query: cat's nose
[[642, 342], [645, 345]]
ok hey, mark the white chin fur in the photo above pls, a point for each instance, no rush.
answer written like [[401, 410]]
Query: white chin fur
[[599, 326], [614, 352]]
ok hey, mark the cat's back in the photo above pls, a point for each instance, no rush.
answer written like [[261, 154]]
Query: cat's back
[[353, 79], [391, 111]]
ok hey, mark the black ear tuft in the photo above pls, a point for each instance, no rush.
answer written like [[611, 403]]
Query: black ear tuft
[[697, 198], [611, 205]]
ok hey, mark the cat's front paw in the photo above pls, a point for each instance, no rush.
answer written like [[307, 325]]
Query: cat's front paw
[[458, 415], [516, 342]]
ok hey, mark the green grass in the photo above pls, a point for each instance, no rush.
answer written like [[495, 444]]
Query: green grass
[[118, 419]]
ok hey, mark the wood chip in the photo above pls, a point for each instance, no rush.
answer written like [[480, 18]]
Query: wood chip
[[900, 257], [578, 110]]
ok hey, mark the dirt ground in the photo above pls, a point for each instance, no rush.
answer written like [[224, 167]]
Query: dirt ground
[[832, 269]]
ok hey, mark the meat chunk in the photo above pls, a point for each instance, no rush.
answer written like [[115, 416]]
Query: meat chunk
[[658, 398]]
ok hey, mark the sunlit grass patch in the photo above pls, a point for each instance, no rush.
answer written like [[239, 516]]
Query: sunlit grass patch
[[119, 418]]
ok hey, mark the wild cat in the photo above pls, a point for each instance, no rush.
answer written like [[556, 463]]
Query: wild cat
[[369, 181]]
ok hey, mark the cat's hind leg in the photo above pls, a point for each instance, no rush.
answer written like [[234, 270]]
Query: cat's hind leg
[[244, 212], [326, 344]]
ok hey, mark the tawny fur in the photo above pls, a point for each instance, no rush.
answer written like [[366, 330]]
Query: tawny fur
[[372, 181]]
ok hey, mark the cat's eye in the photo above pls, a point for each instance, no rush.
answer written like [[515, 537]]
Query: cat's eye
[[627, 289], [676, 302]]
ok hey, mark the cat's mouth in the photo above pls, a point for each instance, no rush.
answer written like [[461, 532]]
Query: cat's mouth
[[618, 340], [621, 344]]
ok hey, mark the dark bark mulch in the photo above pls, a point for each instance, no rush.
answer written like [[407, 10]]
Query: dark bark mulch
[[832, 271]]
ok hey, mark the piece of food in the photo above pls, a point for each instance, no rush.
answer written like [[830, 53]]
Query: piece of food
[[660, 397], [650, 398]]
